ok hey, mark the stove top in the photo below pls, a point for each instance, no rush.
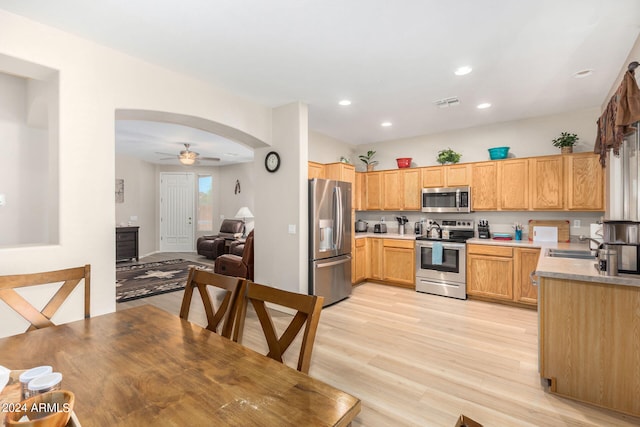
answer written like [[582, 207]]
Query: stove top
[[458, 231]]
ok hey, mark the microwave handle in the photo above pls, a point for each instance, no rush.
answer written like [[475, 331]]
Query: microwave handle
[[458, 199]]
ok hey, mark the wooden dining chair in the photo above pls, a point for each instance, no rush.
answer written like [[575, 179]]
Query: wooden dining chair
[[228, 307], [308, 308], [39, 319]]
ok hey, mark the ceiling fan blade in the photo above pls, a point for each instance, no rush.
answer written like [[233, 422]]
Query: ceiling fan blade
[[212, 159], [165, 154], [168, 158]]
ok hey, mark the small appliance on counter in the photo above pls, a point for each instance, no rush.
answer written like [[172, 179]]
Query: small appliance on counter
[[361, 226], [483, 229], [418, 227], [380, 228], [624, 238]]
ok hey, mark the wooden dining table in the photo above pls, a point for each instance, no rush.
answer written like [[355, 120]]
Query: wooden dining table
[[145, 367]]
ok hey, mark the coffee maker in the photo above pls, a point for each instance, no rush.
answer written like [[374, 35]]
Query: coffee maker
[[624, 238]]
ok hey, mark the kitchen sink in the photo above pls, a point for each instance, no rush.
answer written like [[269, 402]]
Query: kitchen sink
[[571, 253]]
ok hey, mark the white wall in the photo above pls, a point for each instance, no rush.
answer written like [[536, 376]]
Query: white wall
[[325, 149], [95, 82], [229, 202], [280, 201], [527, 138], [24, 168]]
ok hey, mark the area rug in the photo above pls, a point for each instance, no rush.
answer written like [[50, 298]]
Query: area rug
[[153, 278]]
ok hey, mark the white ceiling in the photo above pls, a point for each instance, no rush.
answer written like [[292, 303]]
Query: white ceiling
[[392, 59]]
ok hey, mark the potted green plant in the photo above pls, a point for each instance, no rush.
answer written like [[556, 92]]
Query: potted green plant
[[448, 156], [565, 142], [367, 159]]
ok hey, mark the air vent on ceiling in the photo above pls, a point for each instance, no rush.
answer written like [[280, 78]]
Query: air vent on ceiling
[[447, 102]]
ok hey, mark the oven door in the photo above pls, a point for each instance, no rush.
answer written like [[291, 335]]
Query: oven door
[[452, 268]]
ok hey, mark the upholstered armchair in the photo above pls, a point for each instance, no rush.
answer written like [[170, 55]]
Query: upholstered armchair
[[237, 265], [214, 246]]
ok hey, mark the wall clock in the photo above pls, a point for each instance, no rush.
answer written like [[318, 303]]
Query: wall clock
[[272, 161]]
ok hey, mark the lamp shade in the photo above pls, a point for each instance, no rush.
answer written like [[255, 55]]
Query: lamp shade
[[244, 212]]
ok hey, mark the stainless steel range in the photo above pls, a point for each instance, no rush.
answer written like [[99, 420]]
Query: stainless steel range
[[441, 257]]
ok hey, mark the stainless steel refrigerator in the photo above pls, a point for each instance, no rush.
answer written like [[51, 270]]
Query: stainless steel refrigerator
[[329, 239]]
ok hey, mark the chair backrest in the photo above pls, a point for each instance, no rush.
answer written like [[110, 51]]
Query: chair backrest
[[247, 255], [231, 228], [228, 307], [39, 319], [308, 308]]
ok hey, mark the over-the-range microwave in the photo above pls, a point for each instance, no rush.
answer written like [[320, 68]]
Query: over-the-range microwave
[[446, 199]]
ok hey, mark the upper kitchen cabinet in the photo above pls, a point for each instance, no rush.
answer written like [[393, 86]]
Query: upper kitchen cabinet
[[584, 182], [546, 183], [340, 172], [457, 175], [513, 184], [433, 176], [484, 194], [316, 170], [392, 190], [359, 191], [411, 189], [373, 191]]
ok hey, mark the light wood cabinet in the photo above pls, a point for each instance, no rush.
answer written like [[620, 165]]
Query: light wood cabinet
[[584, 182], [588, 338], [374, 259], [392, 190], [546, 183], [432, 176], [411, 189], [490, 271], [525, 261], [501, 273], [398, 261], [513, 184], [484, 192], [359, 260], [316, 170], [359, 190], [457, 175], [340, 172], [373, 191]]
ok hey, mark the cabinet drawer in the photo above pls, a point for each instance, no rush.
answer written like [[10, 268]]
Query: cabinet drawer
[[360, 243], [121, 237], [397, 243], [503, 251]]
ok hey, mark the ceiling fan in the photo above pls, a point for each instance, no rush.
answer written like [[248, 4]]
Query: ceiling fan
[[188, 157]]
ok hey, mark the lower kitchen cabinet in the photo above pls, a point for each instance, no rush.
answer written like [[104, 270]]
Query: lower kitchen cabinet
[[398, 261], [525, 261], [359, 260], [391, 261], [501, 273], [490, 271]]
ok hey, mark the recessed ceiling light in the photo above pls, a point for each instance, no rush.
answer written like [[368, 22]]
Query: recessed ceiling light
[[483, 105], [463, 70], [582, 73], [385, 124], [345, 102]]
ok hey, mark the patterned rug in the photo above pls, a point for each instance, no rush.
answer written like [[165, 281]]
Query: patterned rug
[[153, 278]]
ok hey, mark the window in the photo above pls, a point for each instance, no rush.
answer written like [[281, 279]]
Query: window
[[205, 203]]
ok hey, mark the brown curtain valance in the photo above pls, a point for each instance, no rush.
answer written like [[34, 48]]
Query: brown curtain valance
[[620, 113]]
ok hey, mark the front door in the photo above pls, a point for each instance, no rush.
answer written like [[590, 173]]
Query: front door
[[176, 212]]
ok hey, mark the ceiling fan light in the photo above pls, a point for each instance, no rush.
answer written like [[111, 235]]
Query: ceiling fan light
[[187, 160]]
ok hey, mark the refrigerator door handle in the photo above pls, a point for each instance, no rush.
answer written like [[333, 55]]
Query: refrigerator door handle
[[337, 194], [332, 263]]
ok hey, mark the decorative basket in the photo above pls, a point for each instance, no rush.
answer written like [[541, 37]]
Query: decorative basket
[[404, 162], [497, 153]]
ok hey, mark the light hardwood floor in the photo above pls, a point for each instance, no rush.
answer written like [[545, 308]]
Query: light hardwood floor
[[422, 360]]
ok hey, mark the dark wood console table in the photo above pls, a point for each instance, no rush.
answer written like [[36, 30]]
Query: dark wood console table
[[127, 243]]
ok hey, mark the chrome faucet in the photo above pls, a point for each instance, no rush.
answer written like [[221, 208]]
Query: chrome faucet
[[582, 238]]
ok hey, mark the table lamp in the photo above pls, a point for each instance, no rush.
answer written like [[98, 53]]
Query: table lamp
[[244, 213]]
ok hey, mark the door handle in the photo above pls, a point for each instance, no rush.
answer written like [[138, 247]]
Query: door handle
[[533, 281]]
